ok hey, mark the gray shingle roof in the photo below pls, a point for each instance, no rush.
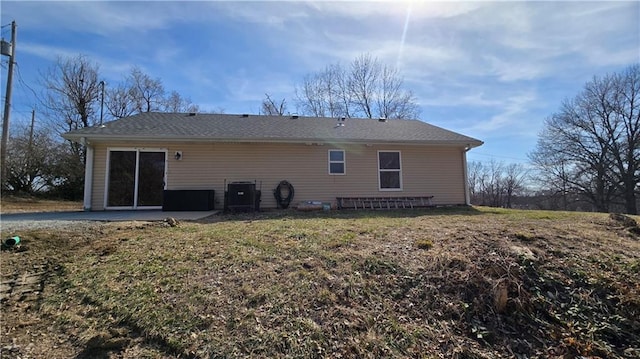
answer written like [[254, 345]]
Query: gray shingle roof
[[255, 128]]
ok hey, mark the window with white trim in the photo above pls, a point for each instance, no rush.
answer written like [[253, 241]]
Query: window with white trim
[[389, 171], [337, 164]]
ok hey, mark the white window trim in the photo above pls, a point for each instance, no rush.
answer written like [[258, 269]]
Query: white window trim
[[389, 170], [88, 179], [135, 190], [344, 162]]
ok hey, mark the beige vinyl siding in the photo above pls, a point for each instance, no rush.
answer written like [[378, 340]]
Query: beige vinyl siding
[[437, 171], [426, 170], [99, 173]]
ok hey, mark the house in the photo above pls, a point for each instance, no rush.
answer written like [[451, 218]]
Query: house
[[132, 162]]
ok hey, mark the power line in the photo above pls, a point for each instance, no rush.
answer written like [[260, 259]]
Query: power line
[[21, 111], [5, 30], [499, 156], [21, 81]]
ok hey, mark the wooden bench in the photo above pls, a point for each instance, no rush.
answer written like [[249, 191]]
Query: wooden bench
[[383, 202]]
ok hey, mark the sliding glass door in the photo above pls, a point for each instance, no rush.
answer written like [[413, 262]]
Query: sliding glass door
[[135, 178]]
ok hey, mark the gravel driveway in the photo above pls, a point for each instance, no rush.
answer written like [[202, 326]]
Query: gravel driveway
[[13, 222]]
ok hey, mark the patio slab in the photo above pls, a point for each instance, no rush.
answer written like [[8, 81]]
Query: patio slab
[[105, 216]]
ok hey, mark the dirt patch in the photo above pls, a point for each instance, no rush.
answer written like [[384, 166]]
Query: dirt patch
[[625, 225], [22, 286]]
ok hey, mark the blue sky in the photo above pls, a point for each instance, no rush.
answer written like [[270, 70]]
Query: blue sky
[[490, 70]]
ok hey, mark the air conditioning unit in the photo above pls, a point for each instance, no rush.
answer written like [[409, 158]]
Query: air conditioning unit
[[242, 197]]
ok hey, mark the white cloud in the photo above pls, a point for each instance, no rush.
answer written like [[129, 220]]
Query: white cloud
[[88, 17], [508, 71], [270, 13], [470, 97], [420, 10], [512, 115], [47, 52]]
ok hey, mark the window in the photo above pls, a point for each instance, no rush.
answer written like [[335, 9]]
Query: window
[[389, 171], [336, 162]]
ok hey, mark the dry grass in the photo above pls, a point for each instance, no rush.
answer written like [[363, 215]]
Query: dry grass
[[456, 283], [12, 204]]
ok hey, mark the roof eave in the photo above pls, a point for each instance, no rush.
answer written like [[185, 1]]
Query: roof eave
[[471, 143]]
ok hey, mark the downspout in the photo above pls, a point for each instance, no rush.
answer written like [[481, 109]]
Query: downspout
[[467, 196], [88, 175]]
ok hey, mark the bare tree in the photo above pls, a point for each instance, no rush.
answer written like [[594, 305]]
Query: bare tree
[[176, 103], [271, 108], [513, 182], [336, 91], [71, 93], [148, 92], [366, 88], [310, 96], [475, 178], [31, 160], [217, 110], [71, 102], [325, 94], [592, 144], [392, 101], [580, 159], [120, 101], [363, 82], [140, 93], [495, 184], [624, 129], [553, 176]]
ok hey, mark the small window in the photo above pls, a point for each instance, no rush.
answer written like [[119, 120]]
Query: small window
[[336, 162], [389, 171]]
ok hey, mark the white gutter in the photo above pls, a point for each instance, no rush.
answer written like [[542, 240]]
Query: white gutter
[[276, 140], [88, 176], [467, 196]]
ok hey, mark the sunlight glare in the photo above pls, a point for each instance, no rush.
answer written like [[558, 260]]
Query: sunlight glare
[[404, 35]]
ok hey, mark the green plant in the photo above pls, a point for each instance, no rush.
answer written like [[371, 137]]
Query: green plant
[[423, 243]]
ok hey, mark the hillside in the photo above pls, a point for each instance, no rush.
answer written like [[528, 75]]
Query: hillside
[[447, 283]]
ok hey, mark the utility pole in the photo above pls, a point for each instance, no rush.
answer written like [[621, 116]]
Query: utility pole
[[101, 102], [33, 122], [7, 104], [30, 149]]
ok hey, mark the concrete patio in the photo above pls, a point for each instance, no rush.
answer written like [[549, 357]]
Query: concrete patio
[[105, 216]]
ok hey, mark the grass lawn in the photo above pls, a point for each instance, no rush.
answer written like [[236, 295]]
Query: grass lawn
[[438, 283], [13, 204]]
